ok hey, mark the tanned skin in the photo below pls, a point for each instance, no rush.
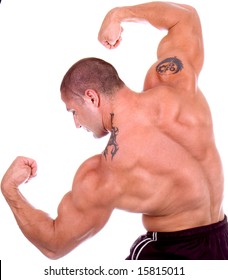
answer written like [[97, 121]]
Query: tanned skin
[[161, 159]]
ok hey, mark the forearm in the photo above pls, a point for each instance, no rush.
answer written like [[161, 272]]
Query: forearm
[[162, 15], [36, 225], [182, 23]]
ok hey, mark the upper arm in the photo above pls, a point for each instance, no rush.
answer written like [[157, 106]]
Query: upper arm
[[180, 53], [83, 211], [184, 37]]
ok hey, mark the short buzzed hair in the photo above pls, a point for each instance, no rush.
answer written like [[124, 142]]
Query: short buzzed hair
[[91, 73]]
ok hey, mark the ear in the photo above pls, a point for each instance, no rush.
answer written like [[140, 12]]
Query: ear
[[92, 97]]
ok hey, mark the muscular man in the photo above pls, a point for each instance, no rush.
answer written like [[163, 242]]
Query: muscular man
[[161, 159]]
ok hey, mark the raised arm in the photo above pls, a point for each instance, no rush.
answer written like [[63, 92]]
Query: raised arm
[[81, 213], [184, 35]]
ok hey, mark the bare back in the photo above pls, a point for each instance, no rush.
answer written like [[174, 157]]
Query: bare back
[[167, 166]]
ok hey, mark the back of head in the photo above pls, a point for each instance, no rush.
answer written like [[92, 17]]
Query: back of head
[[91, 73]]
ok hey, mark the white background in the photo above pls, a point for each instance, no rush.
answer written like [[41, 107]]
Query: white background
[[39, 41]]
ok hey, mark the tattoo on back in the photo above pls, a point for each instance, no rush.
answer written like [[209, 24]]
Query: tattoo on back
[[112, 141], [168, 66]]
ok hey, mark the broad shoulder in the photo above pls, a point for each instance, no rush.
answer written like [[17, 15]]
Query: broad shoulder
[[88, 173], [91, 182]]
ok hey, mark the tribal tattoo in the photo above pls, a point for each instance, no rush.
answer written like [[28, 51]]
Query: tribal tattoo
[[112, 141], [169, 66]]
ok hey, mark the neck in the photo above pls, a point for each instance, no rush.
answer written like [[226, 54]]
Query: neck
[[117, 106]]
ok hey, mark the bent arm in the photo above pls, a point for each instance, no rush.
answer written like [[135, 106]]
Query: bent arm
[[80, 214], [181, 21]]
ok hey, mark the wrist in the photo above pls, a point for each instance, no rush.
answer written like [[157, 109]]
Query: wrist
[[118, 14], [8, 189]]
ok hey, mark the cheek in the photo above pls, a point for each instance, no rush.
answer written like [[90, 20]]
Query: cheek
[[91, 115]]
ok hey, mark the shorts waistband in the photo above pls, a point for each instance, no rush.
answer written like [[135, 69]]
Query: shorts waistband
[[192, 231]]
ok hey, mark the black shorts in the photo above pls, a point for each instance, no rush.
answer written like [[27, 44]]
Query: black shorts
[[200, 243]]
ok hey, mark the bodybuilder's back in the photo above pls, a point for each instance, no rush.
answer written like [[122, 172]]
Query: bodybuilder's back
[[167, 166]]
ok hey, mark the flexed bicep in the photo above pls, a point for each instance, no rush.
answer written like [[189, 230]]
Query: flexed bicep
[[184, 38], [85, 210]]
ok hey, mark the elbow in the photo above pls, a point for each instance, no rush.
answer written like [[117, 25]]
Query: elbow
[[192, 14], [56, 252], [53, 252], [189, 9], [53, 255], [187, 13], [56, 247]]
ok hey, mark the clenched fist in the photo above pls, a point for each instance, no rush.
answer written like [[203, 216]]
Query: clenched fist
[[110, 31], [20, 171]]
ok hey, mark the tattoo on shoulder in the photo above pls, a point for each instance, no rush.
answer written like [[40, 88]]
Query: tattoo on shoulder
[[169, 66], [112, 141]]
